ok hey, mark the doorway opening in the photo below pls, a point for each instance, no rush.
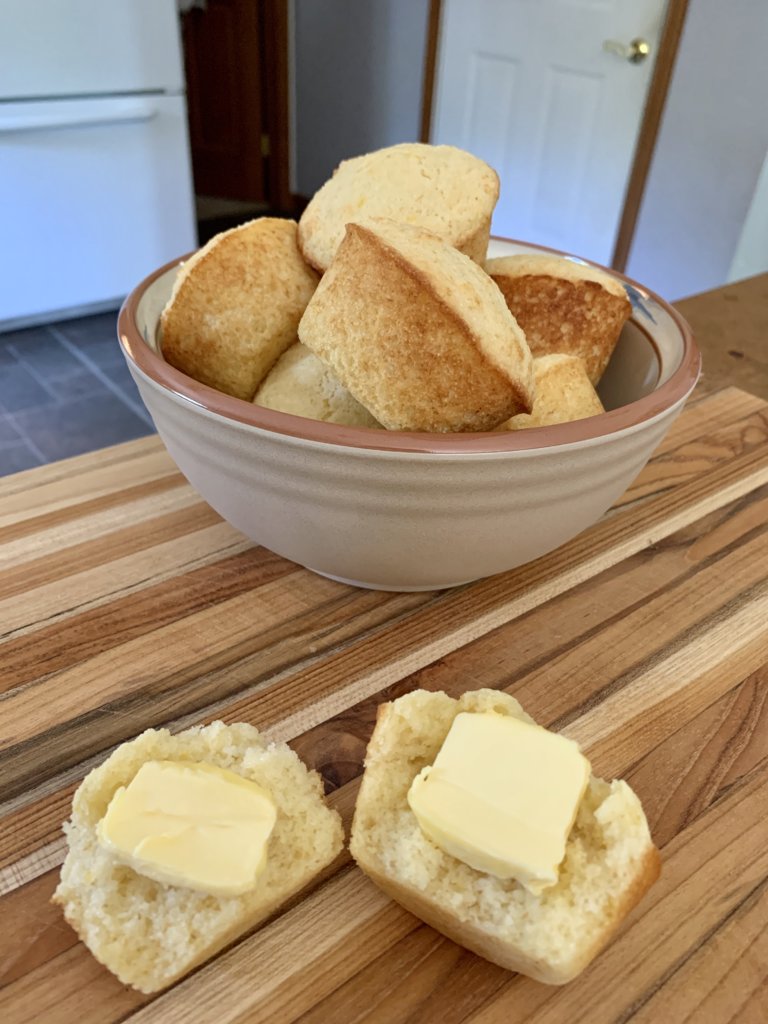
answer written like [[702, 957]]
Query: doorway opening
[[236, 61]]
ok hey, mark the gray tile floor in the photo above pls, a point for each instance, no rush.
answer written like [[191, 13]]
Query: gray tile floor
[[64, 390]]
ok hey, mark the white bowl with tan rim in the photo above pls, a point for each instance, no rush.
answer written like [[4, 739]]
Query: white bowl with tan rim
[[406, 511]]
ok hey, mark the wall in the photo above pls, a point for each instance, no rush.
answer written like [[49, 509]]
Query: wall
[[751, 255], [710, 151], [357, 82]]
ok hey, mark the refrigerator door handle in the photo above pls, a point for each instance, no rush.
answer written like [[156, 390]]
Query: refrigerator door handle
[[98, 112]]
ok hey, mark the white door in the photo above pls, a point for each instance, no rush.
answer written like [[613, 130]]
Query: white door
[[529, 86], [98, 195]]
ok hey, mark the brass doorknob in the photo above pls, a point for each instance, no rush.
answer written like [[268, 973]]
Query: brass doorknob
[[635, 52]]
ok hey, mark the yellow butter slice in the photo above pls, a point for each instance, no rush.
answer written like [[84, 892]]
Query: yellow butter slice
[[502, 796], [191, 824]]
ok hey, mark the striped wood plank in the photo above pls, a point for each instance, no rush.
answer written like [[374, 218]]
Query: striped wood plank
[[126, 603]]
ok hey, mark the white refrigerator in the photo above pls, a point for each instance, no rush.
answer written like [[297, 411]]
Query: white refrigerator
[[95, 176]]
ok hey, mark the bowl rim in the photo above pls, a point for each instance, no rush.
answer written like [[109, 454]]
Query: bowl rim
[[664, 397]]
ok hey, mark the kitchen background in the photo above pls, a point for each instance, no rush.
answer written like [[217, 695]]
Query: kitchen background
[[632, 132]]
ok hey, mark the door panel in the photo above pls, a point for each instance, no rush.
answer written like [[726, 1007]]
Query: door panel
[[529, 87], [493, 87], [569, 115], [222, 52]]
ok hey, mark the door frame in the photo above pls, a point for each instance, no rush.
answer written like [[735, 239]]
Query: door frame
[[650, 122], [650, 119]]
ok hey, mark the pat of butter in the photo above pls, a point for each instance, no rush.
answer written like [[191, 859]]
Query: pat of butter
[[502, 797], [191, 824]]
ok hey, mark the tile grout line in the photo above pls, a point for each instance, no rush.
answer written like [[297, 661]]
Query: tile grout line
[[9, 416], [24, 438], [34, 373], [135, 407], [35, 450]]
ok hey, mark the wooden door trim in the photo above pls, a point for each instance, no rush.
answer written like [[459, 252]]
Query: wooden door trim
[[430, 68], [650, 122], [655, 102]]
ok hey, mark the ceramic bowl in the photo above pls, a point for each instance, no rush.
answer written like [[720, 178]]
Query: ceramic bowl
[[407, 511]]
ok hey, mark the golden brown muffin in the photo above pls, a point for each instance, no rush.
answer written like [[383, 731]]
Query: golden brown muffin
[[564, 306], [563, 393], [418, 333], [302, 384], [440, 188], [149, 933], [609, 864], [236, 305]]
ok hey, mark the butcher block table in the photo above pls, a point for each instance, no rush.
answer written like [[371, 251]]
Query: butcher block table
[[125, 603]]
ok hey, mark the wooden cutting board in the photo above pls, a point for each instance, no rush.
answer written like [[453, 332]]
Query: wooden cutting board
[[125, 603]]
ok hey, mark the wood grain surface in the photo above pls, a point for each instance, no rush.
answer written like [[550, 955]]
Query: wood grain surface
[[125, 603], [731, 328]]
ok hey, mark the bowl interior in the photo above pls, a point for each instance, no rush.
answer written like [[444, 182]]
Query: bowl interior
[[655, 364]]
